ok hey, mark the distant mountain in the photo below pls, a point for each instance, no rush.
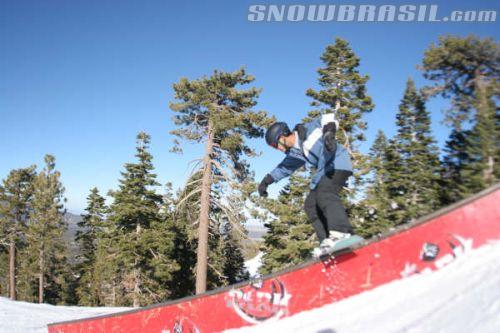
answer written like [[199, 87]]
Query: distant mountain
[[256, 232], [70, 234], [72, 221]]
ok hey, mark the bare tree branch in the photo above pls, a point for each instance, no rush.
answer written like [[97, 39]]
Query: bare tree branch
[[198, 190], [216, 271]]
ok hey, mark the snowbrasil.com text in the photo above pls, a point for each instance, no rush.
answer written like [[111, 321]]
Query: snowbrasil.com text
[[364, 13]]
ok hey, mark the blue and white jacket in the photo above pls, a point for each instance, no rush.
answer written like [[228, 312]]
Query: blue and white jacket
[[310, 150]]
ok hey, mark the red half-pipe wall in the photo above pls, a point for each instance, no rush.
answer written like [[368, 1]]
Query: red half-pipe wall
[[429, 244]]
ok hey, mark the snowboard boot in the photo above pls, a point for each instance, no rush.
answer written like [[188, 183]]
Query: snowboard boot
[[327, 245]]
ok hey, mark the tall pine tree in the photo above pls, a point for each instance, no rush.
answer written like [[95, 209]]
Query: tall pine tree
[[87, 236], [16, 193], [215, 111], [343, 92], [452, 184], [144, 242], [185, 215], [47, 250], [105, 270], [483, 141], [458, 67], [417, 182], [377, 200], [234, 262], [465, 70]]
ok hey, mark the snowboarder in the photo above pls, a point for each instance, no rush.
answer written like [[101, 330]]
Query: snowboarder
[[314, 143]]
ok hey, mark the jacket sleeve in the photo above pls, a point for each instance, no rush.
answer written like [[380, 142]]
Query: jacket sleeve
[[290, 163], [329, 118]]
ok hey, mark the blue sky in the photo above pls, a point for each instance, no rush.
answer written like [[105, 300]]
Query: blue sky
[[79, 79]]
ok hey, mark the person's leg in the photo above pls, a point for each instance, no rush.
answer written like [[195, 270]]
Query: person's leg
[[312, 211], [328, 200]]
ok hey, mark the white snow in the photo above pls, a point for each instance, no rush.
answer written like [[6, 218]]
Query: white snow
[[21, 317], [461, 297], [254, 264]]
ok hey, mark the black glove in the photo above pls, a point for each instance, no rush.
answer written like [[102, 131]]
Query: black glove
[[329, 131], [329, 172], [268, 180]]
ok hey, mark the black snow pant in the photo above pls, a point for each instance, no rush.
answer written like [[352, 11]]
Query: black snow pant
[[324, 207]]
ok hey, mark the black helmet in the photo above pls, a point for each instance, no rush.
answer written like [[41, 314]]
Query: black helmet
[[275, 131]]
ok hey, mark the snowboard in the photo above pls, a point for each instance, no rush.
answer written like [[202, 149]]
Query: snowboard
[[342, 246]]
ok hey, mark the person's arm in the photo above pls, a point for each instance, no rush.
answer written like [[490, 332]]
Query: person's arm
[[330, 125], [288, 166], [329, 118]]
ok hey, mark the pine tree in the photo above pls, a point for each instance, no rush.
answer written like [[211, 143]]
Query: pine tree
[[466, 71], [46, 252], [343, 92], [4, 271], [143, 240], [483, 148], [16, 192], [377, 201], [87, 237], [452, 184], [417, 180], [215, 111], [234, 263], [290, 238], [105, 269], [226, 232], [185, 214], [216, 259], [458, 66]]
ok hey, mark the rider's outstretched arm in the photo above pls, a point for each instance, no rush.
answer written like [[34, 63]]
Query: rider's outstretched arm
[[289, 165]]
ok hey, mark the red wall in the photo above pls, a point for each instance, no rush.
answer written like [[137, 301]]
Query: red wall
[[455, 231]]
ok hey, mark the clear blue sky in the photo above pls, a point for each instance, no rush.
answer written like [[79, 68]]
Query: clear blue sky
[[79, 79]]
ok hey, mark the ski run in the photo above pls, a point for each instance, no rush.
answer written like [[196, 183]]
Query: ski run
[[461, 297]]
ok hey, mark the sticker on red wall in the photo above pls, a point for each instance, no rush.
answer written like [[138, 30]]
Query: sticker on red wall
[[433, 256], [260, 301]]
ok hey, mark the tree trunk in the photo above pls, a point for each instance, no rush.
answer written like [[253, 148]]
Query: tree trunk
[[202, 254], [40, 278], [482, 109], [12, 270], [137, 302], [113, 295], [489, 172], [137, 275]]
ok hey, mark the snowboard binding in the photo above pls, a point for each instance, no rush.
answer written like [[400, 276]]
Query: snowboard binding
[[345, 245]]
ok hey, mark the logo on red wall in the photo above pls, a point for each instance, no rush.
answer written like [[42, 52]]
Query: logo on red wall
[[435, 256], [260, 301]]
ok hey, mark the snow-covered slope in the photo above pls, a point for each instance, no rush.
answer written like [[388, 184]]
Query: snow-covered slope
[[20, 317], [461, 297], [254, 264]]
